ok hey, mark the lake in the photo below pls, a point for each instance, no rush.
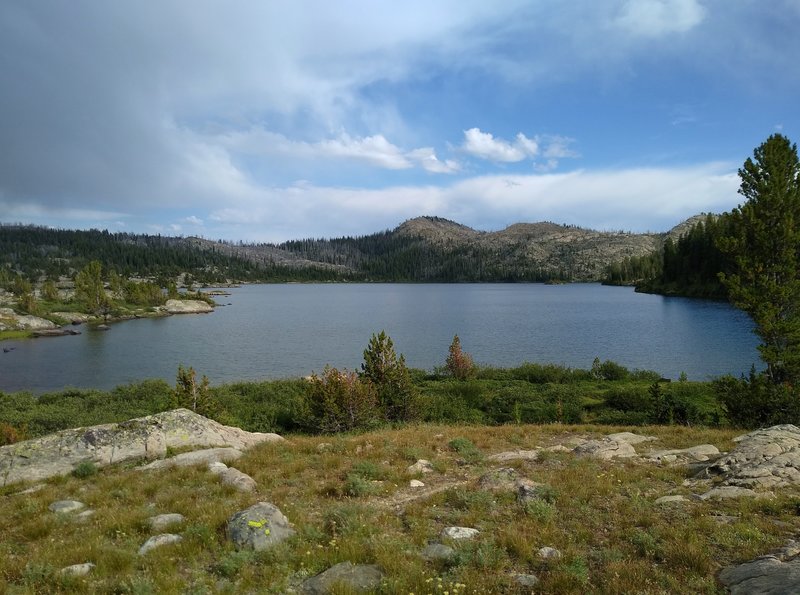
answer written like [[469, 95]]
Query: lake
[[276, 331]]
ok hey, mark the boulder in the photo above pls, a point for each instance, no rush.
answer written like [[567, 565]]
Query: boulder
[[765, 575], [421, 466], [526, 581], [548, 553], [353, 577], [206, 456], [514, 455], [162, 521], [766, 458], [259, 527], [666, 500], [438, 552], [24, 322], [159, 541], [188, 307], [502, 479], [699, 453], [78, 569], [415, 483], [631, 438], [528, 490], [460, 532], [144, 437], [233, 477], [724, 492], [605, 449], [66, 506]]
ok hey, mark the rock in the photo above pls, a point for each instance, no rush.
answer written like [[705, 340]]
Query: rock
[[766, 575], [196, 457], [415, 483], [24, 322], [548, 553], [438, 552], [460, 532], [233, 477], [188, 307], [66, 506], [259, 527], [700, 453], [421, 466], [677, 499], [159, 541], [161, 521], [73, 317], [78, 569], [31, 490], [528, 490], [765, 458], [605, 449], [504, 478], [84, 515], [101, 327], [558, 448], [514, 455], [324, 446], [631, 438], [526, 581], [55, 332], [724, 492], [353, 577], [144, 437]]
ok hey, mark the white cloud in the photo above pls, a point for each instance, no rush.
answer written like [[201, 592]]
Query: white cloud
[[652, 199], [657, 18], [193, 220], [485, 146], [426, 157]]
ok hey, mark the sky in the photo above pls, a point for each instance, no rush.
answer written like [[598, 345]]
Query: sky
[[268, 121]]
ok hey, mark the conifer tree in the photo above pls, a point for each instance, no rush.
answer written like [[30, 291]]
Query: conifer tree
[[458, 363], [396, 393], [763, 239]]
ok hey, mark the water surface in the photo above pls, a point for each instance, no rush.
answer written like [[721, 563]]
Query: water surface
[[275, 331]]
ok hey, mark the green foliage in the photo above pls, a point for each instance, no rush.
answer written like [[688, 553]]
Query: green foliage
[[339, 401], [763, 240], [49, 291], [90, 290], [192, 395], [609, 370], [84, 469], [389, 375], [756, 401], [459, 364], [468, 451]]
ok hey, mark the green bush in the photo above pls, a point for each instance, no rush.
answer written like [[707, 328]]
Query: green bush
[[756, 402], [341, 402]]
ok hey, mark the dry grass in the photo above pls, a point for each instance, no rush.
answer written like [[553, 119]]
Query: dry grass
[[351, 501]]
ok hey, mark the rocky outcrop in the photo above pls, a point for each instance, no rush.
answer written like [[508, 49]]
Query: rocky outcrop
[[605, 449], [10, 320], [187, 307], [766, 458], [774, 574], [146, 437]]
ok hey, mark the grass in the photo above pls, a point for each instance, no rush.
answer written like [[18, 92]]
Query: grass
[[343, 501]]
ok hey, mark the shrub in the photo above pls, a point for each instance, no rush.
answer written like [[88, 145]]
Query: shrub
[[468, 451], [84, 469], [9, 434], [459, 364], [609, 370], [339, 401], [191, 395], [755, 401]]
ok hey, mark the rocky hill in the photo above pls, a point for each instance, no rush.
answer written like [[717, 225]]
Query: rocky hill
[[436, 249]]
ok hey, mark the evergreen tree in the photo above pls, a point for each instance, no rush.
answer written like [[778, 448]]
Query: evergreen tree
[[192, 395], [396, 393], [763, 239], [90, 290], [458, 363]]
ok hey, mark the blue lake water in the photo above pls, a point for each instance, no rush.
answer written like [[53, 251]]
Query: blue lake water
[[277, 331]]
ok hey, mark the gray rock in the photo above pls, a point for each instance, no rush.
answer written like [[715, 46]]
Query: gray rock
[[188, 307], [724, 492], [548, 553], [765, 458], [514, 455], [235, 478], [460, 532], [159, 541], [605, 449], [421, 466], [415, 483], [66, 506], [438, 552], [526, 581], [78, 569], [354, 577], [631, 438], [84, 515], [677, 499], [162, 521], [145, 437], [197, 457], [259, 527], [25, 322], [528, 490], [766, 575], [502, 479], [699, 453]]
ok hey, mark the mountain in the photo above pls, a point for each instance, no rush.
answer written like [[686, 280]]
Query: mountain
[[427, 249]]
